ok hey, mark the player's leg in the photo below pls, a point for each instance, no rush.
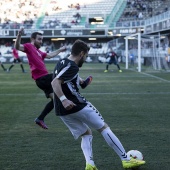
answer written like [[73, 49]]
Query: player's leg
[[116, 145], [21, 65], [12, 65], [3, 66], [75, 123], [101, 126], [115, 62], [109, 136], [44, 83], [113, 142], [119, 68], [47, 109], [107, 66], [40, 119], [86, 146]]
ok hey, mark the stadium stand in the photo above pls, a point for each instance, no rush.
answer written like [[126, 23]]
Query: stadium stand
[[16, 13], [73, 13], [141, 10]]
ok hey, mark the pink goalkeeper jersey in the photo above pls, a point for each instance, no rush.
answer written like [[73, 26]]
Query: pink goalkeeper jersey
[[36, 61]]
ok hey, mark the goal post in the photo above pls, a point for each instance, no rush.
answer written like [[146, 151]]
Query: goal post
[[138, 35]]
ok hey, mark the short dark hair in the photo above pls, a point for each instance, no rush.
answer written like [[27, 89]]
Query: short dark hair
[[34, 34], [79, 46]]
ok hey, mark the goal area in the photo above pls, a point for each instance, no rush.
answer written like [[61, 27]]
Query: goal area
[[144, 53]]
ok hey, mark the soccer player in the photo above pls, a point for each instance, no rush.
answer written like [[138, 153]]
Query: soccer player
[[38, 69], [16, 59], [2, 65], [77, 113], [113, 60]]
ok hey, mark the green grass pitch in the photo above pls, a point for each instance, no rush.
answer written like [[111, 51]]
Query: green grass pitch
[[135, 105]]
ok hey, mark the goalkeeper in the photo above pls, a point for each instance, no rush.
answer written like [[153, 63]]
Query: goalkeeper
[[113, 60]]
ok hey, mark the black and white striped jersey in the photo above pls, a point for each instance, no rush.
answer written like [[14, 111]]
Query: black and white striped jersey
[[67, 71]]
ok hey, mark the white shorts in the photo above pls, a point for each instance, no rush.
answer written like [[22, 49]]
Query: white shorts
[[79, 122]]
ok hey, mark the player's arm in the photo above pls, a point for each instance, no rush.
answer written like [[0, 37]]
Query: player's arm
[[13, 55], [18, 44], [56, 85], [116, 55], [107, 55], [55, 53], [86, 82]]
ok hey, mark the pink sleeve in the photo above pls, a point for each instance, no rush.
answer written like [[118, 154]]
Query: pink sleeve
[[44, 55], [26, 47]]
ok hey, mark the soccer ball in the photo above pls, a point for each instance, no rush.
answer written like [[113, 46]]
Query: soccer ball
[[135, 154]]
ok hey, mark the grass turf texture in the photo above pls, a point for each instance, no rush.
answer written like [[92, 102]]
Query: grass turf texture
[[135, 105]]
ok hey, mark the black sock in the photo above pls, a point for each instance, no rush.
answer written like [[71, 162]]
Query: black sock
[[46, 110], [3, 67], [118, 66], [22, 68], [11, 67], [107, 67]]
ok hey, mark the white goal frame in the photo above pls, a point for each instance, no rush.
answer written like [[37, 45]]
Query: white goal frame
[[139, 49]]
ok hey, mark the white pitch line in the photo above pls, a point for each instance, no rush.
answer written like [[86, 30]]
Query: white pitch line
[[120, 76], [129, 93], [156, 77]]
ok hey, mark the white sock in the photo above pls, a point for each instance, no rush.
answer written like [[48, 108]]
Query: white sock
[[86, 146], [114, 143]]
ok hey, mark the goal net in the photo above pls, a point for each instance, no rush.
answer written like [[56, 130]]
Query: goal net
[[146, 53]]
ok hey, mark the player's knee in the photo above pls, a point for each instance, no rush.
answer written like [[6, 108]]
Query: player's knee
[[88, 132], [104, 127]]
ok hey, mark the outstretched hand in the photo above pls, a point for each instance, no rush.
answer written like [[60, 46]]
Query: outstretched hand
[[62, 49], [21, 31]]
